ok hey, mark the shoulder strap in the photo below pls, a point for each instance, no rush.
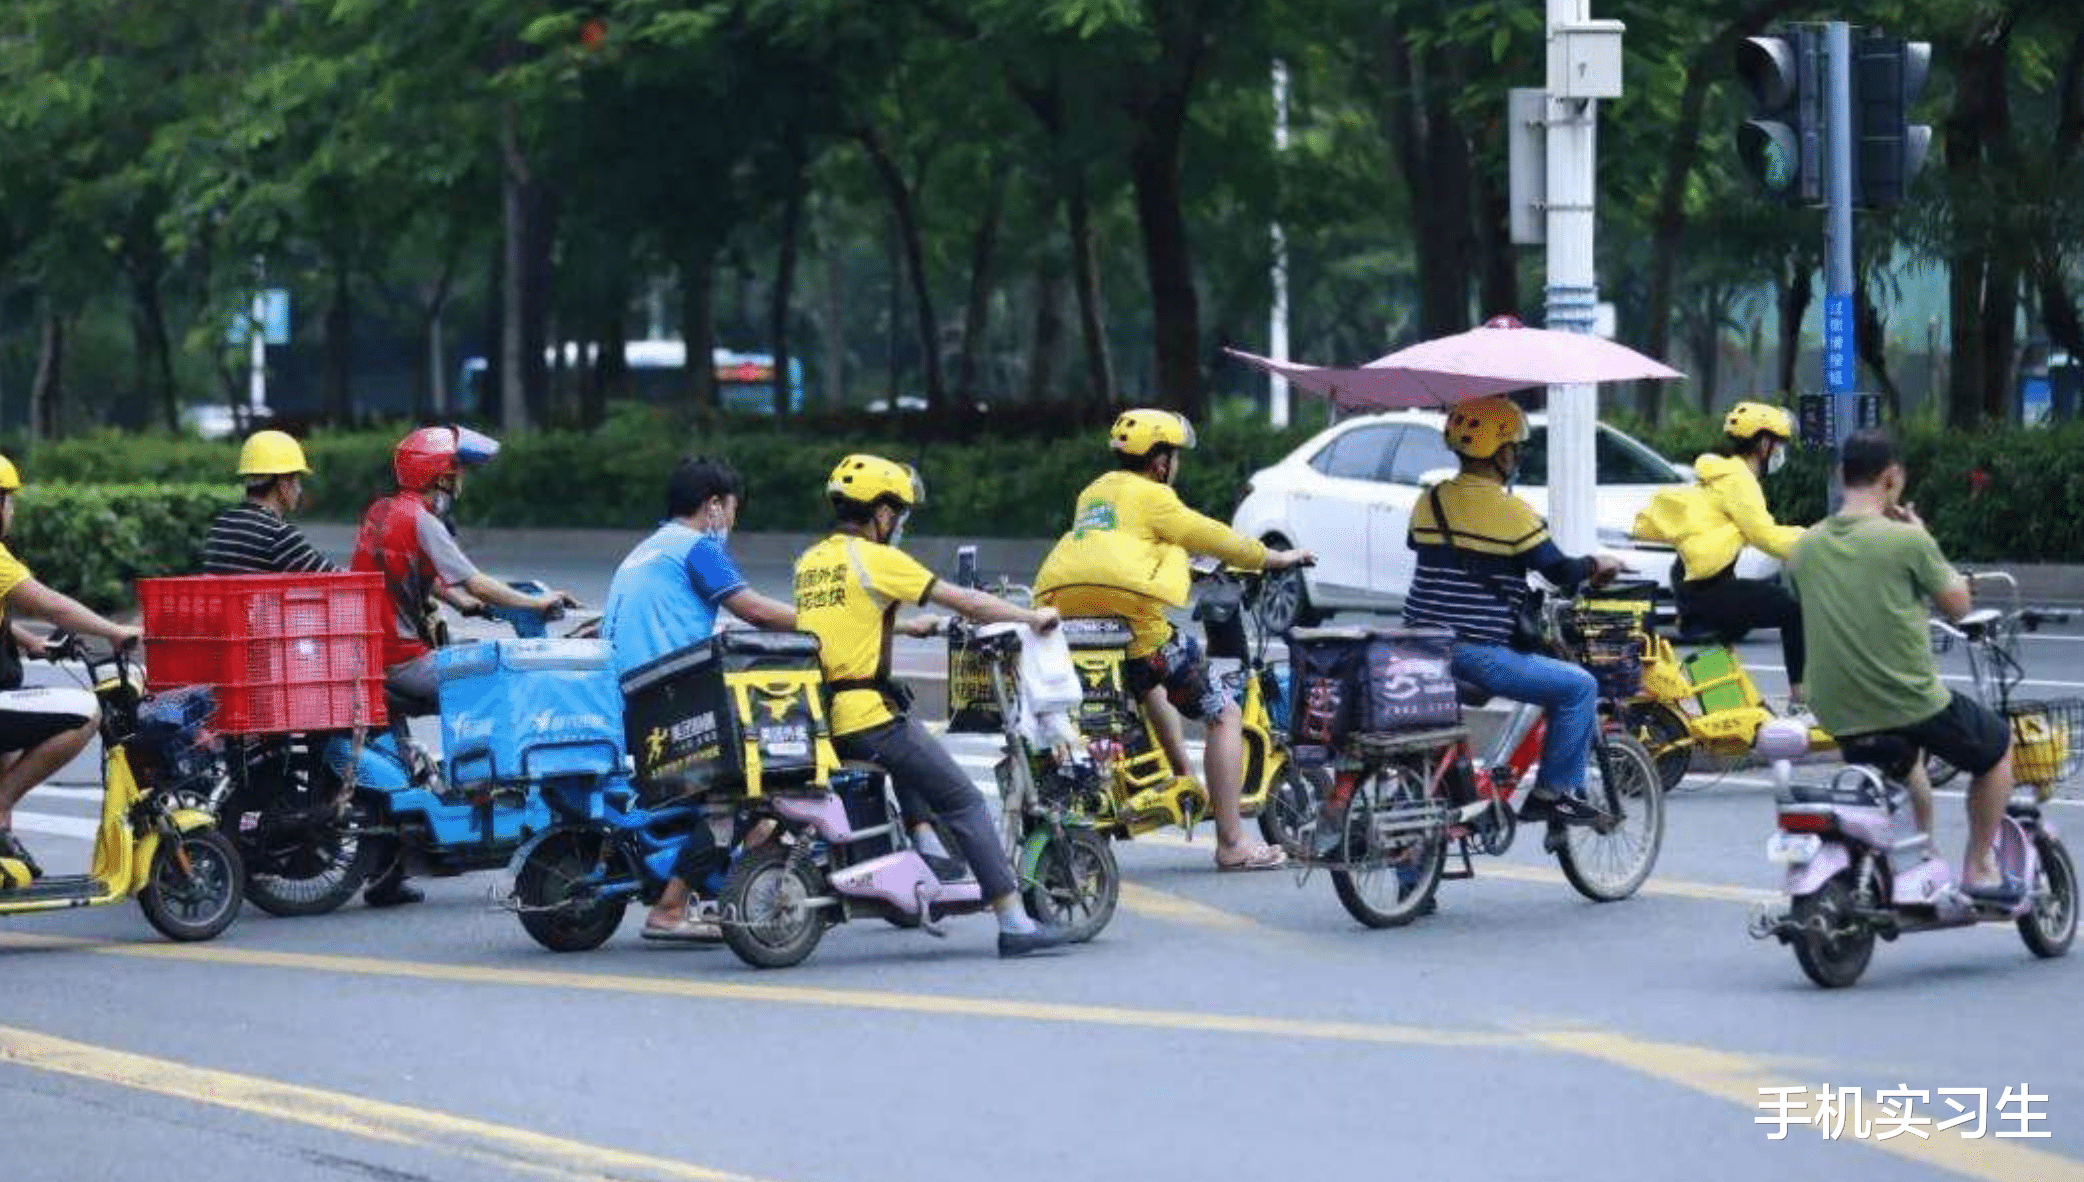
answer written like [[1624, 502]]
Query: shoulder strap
[[1446, 531]]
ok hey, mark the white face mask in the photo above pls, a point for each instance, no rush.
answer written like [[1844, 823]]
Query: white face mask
[[717, 526], [1777, 460], [443, 502], [897, 532]]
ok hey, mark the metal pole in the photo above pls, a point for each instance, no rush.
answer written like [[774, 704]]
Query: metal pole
[[1840, 345], [1572, 295], [257, 349], [1277, 335]]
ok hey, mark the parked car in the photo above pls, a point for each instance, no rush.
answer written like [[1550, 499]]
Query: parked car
[[1348, 494]]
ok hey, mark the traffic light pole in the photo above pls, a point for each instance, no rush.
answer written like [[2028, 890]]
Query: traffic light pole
[[1573, 290], [1841, 353]]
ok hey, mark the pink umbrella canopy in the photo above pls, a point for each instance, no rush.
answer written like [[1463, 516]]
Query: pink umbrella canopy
[[1502, 356]]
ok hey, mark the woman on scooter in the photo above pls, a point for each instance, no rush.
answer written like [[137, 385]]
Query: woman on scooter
[[1712, 523], [848, 589], [41, 729]]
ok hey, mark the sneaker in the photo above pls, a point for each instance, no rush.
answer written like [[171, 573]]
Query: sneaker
[[392, 894], [1044, 937], [949, 869]]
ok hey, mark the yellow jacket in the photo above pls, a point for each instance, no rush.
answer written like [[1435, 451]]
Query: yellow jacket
[[1127, 553], [1712, 522]]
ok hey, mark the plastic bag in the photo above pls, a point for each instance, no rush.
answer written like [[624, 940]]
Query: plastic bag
[[1048, 681]]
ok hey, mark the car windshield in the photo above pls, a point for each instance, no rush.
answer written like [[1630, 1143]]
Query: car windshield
[[1620, 460]]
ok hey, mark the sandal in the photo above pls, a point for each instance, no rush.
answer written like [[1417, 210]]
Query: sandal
[[688, 931], [2008, 891], [12, 847], [1265, 857]]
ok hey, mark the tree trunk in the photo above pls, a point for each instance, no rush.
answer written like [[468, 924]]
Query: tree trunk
[[1432, 158], [1795, 294], [1154, 172], [1999, 332], [977, 308], [1497, 257], [1085, 280], [609, 376], [46, 391], [901, 198], [1048, 335], [338, 362], [785, 285], [1873, 334], [698, 324], [155, 346], [832, 326], [520, 368], [1973, 276]]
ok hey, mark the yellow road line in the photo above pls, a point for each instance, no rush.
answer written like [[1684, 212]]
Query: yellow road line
[[1166, 905], [1674, 888], [769, 994], [1738, 1078], [398, 1124]]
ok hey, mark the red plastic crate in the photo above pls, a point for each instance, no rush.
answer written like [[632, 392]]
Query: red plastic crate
[[283, 652]]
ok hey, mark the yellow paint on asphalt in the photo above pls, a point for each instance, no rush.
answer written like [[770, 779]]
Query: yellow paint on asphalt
[[1738, 1078], [498, 1145], [799, 995], [1713, 892], [1165, 905]]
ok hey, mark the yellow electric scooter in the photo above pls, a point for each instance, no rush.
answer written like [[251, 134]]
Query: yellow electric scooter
[[150, 844]]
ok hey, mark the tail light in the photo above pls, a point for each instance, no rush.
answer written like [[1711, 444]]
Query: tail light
[[1807, 822]]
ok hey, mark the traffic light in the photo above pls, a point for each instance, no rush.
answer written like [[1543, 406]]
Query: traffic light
[[1888, 75], [1781, 144]]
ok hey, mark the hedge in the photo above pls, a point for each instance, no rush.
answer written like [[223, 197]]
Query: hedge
[[614, 477], [90, 541]]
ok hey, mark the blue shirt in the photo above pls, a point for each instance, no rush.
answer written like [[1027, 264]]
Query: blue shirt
[[666, 593]]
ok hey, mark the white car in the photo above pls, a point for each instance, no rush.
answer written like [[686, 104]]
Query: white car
[[1348, 494]]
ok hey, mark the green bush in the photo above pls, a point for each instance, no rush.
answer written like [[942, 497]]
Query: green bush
[[90, 541], [614, 477]]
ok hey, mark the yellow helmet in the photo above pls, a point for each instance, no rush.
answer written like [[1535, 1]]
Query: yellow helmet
[[867, 479], [10, 480], [272, 453], [1136, 432], [1747, 419], [1479, 429]]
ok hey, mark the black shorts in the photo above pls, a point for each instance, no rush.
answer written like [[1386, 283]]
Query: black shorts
[[30, 717], [1179, 667], [1967, 734]]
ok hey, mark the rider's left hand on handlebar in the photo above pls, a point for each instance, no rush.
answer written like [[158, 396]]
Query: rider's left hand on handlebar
[[126, 639], [1605, 567], [923, 627], [1044, 619], [550, 602]]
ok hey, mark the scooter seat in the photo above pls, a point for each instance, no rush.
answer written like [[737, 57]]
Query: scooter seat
[[1853, 794], [1471, 694]]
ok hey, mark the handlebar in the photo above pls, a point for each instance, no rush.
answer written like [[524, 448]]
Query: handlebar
[[67, 646]]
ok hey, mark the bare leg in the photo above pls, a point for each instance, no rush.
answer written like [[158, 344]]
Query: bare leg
[[1223, 770], [1986, 800], [1172, 731], [1920, 786], [37, 764]]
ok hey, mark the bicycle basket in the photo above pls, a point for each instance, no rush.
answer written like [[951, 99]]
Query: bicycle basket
[[2047, 742], [1609, 644]]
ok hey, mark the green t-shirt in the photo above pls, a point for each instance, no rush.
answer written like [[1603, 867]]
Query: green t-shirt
[[1864, 583]]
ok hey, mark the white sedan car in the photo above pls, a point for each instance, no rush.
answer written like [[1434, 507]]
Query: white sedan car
[[1348, 494]]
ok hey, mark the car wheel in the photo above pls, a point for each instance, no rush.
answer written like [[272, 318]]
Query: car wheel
[[1284, 597]]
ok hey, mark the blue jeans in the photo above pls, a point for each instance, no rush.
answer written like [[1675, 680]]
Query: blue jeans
[[1564, 691]]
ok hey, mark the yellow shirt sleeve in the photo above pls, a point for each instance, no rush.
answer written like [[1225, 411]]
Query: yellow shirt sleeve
[[892, 573], [1745, 504], [12, 573], [1173, 522]]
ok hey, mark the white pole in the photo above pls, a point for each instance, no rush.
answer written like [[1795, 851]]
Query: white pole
[[257, 355], [1277, 335], [1573, 294]]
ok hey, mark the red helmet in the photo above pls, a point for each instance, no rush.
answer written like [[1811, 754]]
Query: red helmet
[[431, 453]]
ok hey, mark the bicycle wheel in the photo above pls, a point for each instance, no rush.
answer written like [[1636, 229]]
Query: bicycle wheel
[[1396, 847], [2051, 926], [1075, 885], [1290, 803], [1609, 866], [1663, 733]]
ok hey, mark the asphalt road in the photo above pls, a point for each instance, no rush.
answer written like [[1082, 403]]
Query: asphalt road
[[1224, 1027]]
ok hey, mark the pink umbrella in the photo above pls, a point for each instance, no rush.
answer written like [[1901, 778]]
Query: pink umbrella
[[1501, 356]]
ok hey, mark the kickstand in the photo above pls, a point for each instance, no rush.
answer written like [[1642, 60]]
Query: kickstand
[[927, 923]]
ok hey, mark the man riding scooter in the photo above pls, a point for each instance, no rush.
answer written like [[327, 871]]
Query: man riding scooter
[[404, 538]]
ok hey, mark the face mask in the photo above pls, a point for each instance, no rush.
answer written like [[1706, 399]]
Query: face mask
[[443, 502], [897, 532], [1777, 460], [718, 527]]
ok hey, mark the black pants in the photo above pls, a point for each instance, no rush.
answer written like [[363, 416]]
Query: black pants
[[1730, 607], [921, 767]]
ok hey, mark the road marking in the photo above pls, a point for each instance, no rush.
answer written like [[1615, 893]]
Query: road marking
[[851, 999], [1738, 1078], [1713, 892], [1950, 793], [1166, 905], [1959, 678], [398, 1124], [55, 825]]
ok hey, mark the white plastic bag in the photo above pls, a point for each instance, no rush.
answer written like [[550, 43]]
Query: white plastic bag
[[1048, 680]]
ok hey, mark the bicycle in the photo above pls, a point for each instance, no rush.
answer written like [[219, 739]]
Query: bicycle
[[1410, 796], [1702, 703]]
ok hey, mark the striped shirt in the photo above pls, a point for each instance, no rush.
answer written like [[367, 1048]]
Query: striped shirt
[[1472, 569], [250, 540]]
